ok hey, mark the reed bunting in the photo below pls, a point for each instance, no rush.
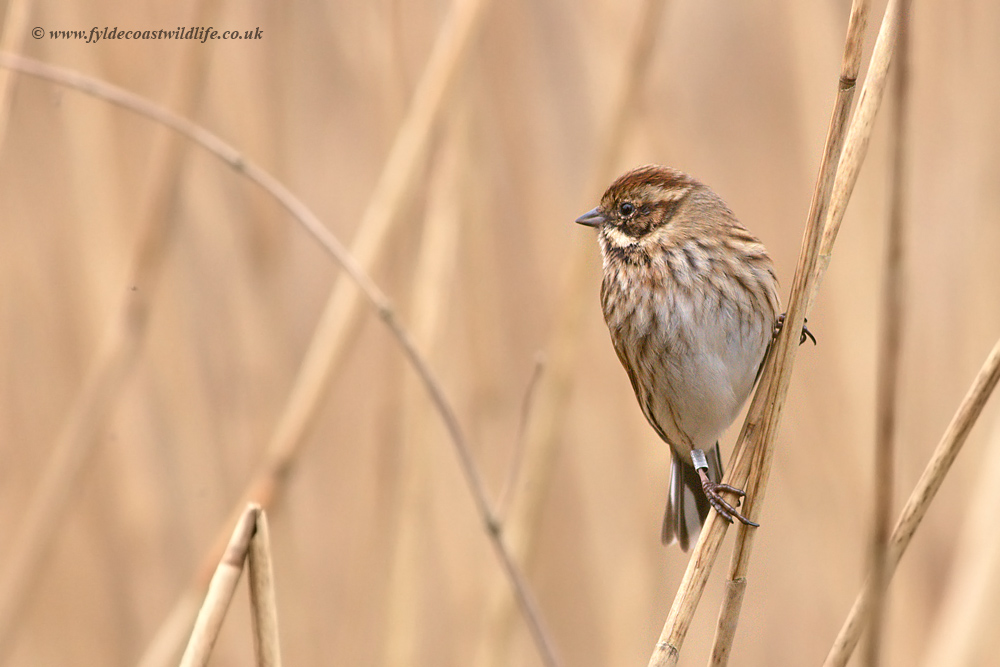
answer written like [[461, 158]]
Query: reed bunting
[[691, 300]]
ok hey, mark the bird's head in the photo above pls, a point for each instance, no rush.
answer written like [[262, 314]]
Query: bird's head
[[639, 203]]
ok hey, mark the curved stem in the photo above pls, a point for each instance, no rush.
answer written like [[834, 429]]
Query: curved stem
[[376, 298]]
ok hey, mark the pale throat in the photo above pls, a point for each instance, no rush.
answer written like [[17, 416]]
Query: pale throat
[[616, 238]]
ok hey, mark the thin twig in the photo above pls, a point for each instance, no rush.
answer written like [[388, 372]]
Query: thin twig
[[379, 302], [552, 400], [754, 444], [514, 467], [263, 606], [889, 353], [220, 592], [920, 499], [113, 363]]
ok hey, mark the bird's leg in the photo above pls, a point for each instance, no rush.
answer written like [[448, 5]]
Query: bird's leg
[[802, 336], [712, 489]]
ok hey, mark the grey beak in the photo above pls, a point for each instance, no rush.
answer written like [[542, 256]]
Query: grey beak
[[592, 218]]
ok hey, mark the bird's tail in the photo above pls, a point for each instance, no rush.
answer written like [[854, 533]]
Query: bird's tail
[[687, 506]]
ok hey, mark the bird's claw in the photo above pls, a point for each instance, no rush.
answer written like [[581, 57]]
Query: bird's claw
[[802, 336], [725, 510]]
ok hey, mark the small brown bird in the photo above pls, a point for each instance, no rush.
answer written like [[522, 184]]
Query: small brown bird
[[691, 300]]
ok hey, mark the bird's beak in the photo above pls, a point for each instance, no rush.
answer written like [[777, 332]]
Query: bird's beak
[[592, 218]]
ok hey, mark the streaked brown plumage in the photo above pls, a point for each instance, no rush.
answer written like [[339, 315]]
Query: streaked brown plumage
[[690, 298]]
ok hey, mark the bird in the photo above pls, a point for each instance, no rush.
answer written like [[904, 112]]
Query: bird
[[690, 298]]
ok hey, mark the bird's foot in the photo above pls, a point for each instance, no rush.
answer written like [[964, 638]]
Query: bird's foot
[[725, 510], [802, 336]]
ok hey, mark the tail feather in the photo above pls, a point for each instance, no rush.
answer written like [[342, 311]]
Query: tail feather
[[687, 507]]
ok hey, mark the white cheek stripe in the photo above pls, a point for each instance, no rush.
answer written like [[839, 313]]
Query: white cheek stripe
[[618, 238]]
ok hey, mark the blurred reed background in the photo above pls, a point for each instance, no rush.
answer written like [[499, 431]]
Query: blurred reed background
[[380, 557]]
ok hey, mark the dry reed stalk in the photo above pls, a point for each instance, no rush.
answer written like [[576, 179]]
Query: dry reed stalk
[[858, 136], [808, 275], [263, 606], [15, 27], [889, 353], [855, 149], [220, 591], [553, 392], [967, 614], [436, 262], [266, 486], [754, 447], [113, 363], [920, 499], [517, 455]]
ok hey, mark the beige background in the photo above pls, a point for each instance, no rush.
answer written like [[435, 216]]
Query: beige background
[[738, 94]]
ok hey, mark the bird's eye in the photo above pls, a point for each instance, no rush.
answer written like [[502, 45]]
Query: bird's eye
[[626, 209]]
